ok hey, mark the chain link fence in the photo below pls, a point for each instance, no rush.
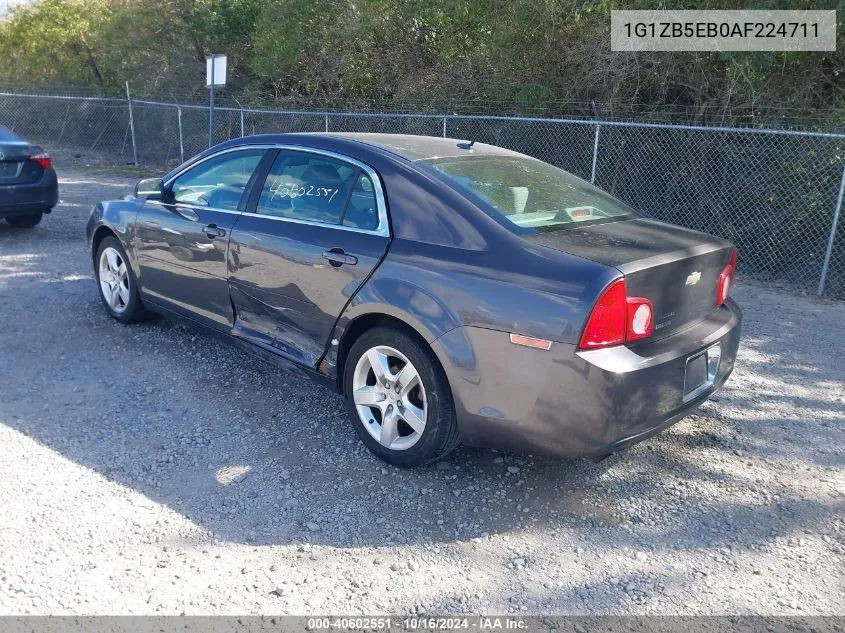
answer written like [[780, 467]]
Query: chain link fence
[[777, 194]]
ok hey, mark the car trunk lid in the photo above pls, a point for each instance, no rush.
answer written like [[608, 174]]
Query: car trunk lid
[[15, 166], [676, 268]]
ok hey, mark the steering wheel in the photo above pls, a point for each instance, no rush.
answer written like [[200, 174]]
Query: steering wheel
[[207, 196]]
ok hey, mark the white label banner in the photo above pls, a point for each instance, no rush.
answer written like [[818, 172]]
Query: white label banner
[[709, 31]]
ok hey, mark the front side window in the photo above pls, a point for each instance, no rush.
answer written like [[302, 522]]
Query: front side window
[[313, 187], [528, 193], [218, 182]]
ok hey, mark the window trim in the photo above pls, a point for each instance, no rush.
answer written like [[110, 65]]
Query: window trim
[[383, 228], [169, 182]]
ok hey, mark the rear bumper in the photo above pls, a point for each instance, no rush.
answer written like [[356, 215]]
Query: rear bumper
[[578, 404], [41, 195]]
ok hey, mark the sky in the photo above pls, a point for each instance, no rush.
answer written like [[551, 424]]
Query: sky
[[5, 5]]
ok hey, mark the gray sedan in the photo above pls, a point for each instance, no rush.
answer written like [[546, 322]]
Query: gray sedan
[[452, 291]]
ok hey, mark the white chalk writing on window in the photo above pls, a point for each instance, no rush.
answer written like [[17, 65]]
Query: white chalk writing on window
[[294, 190]]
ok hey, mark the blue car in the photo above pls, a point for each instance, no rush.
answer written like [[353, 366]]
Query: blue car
[[28, 184]]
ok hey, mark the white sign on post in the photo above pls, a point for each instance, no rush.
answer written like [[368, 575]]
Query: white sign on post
[[219, 62], [215, 75]]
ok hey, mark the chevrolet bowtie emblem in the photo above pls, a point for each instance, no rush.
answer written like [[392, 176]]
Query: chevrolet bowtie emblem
[[693, 278]]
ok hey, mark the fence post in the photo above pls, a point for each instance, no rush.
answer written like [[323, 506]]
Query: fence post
[[181, 141], [832, 237], [595, 154], [211, 107], [444, 126], [132, 126], [327, 121], [242, 122]]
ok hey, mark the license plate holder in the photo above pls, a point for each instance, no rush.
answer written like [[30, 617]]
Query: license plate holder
[[10, 169], [701, 370]]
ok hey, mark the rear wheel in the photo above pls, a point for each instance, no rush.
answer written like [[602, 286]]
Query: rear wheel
[[398, 398], [117, 285], [26, 221]]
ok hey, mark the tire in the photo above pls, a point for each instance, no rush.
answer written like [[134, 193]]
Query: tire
[[126, 306], [427, 391], [27, 221]]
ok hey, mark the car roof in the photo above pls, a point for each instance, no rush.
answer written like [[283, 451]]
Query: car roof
[[410, 146], [416, 147], [361, 146]]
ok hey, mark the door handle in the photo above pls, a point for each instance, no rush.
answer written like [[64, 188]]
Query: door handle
[[337, 257], [212, 231]]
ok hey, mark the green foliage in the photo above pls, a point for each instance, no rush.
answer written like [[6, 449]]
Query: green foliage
[[55, 40], [535, 54]]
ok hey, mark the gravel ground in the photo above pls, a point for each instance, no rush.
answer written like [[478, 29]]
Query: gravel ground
[[152, 470]]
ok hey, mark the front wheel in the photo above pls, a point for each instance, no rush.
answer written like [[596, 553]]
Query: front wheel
[[117, 285], [27, 221], [399, 399]]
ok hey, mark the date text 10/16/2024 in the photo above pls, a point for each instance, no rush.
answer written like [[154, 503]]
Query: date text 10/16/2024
[[418, 623]]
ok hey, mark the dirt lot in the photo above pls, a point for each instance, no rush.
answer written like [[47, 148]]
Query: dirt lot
[[150, 469]]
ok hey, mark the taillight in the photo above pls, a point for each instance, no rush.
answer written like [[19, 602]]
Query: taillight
[[726, 280], [617, 318], [640, 318], [43, 159]]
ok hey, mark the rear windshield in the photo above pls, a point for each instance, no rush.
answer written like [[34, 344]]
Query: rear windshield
[[531, 194], [7, 135]]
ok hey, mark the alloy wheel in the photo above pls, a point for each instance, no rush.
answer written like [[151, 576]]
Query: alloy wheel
[[389, 397], [114, 280]]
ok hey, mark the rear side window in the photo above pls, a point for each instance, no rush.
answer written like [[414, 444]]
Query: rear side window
[[312, 187], [362, 210], [528, 193]]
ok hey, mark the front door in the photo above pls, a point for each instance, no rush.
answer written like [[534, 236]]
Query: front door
[[314, 234], [183, 239]]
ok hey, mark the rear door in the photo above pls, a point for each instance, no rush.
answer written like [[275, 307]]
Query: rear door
[[182, 240], [313, 232]]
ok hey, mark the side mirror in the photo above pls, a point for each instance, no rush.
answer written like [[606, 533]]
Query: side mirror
[[150, 188]]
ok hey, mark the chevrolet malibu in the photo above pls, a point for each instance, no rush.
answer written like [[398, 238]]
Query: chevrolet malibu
[[451, 291]]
